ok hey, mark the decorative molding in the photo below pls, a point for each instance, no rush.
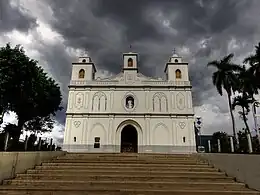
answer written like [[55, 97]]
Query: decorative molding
[[182, 124], [160, 124], [86, 99], [104, 140], [79, 100], [140, 114], [173, 100], [97, 101], [70, 99], [180, 101], [119, 83], [77, 123], [160, 96]]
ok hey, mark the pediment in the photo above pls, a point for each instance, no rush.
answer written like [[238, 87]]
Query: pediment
[[129, 78]]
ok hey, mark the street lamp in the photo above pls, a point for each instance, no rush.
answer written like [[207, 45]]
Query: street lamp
[[255, 118]]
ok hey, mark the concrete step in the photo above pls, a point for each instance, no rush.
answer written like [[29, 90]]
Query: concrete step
[[131, 154], [129, 172], [64, 184], [123, 168], [16, 190], [146, 165], [84, 177], [185, 162], [128, 157]]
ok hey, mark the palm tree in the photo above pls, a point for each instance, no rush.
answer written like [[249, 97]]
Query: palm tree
[[247, 82], [243, 101], [254, 62], [226, 77]]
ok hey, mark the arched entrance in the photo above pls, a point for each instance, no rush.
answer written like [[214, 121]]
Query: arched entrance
[[129, 139]]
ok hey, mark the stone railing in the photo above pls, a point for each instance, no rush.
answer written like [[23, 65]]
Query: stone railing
[[136, 83]]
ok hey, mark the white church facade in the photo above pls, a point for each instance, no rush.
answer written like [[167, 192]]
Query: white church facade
[[130, 112]]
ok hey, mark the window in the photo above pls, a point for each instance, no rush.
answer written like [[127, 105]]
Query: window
[[97, 139], [130, 62], [178, 74], [176, 61], [84, 60], [75, 139], [81, 74], [184, 139], [97, 142]]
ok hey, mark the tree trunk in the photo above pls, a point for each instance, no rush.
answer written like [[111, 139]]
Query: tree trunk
[[17, 135], [232, 117], [245, 121]]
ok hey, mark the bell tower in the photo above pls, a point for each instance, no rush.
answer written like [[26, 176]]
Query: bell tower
[[130, 61], [176, 69], [84, 69]]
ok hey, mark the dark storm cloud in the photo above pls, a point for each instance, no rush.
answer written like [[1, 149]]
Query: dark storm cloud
[[60, 68], [106, 29], [12, 17]]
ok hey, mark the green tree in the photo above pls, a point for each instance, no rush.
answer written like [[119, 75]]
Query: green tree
[[25, 88], [243, 142], [243, 101], [247, 82], [224, 142], [225, 77], [40, 124], [254, 62], [30, 144]]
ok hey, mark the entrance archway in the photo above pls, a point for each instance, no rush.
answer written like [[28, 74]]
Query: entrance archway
[[129, 139]]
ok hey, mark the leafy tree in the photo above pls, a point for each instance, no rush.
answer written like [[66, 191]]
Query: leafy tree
[[224, 142], [40, 124], [243, 101], [247, 82], [225, 77], [30, 143], [243, 142], [25, 88], [2, 140], [254, 62], [12, 129], [256, 144]]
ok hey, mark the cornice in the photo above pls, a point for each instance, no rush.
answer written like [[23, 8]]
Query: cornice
[[130, 86], [131, 114]]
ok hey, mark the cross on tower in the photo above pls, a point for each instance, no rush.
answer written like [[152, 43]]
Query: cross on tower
[[174, 50], [130, 46]]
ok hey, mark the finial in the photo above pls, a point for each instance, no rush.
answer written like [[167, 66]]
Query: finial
[[174, 53], [174, 50]]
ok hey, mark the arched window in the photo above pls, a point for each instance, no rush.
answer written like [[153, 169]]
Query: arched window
[[184, 139], [178, 74], [130, 62], [81, 74], [176, 61]]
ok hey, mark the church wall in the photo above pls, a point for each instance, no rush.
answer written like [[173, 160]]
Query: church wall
[[113, 101], [156, 134]]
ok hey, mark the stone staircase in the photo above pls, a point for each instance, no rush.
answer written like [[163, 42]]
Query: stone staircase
[[124, 174]]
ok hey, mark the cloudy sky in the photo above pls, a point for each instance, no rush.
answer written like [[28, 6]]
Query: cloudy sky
[[55, 31]]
